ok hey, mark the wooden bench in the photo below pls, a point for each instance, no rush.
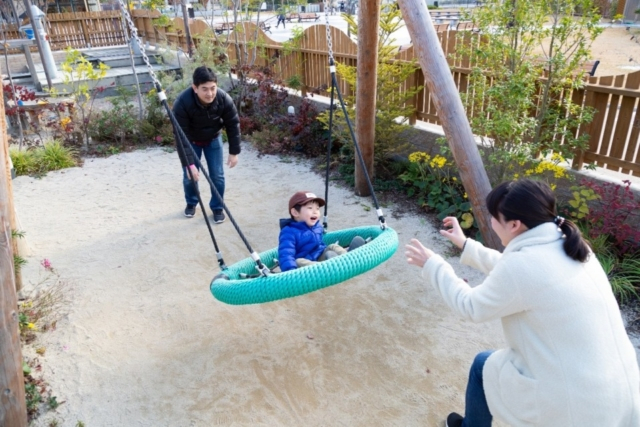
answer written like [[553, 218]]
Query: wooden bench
[[312, 16], [264, 27], [441, 27], [466, 26], [223, 27], [445, 14], [226, 27]]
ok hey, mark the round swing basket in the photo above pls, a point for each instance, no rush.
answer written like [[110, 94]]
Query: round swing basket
[[230, 288]]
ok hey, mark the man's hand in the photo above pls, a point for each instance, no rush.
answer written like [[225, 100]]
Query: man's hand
[[232, 160], [192, 172]]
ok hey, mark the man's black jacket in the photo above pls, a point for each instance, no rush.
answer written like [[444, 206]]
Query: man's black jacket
[[203, 123]]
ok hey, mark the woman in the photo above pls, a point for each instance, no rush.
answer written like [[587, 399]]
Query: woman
[[568, 361]]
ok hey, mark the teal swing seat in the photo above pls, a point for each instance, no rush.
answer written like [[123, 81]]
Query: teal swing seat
[[229, 286]]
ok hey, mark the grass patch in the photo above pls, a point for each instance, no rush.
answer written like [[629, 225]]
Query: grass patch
[[40, 160]]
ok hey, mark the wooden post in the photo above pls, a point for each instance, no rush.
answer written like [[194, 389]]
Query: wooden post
[[366, 89], [85, 32], [451, 112], [13, 223], [13, 409], [187, 31]]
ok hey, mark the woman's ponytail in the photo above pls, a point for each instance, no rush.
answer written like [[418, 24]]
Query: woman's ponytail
[[575, 246], [533, 203]]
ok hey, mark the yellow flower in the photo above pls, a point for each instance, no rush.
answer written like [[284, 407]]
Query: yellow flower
[[31, 325], [65, 121], [465, 196], [454, 179], [419, 156]]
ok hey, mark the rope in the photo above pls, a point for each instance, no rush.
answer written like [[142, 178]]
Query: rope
[[182, 143], [326, 179], [334, 84]]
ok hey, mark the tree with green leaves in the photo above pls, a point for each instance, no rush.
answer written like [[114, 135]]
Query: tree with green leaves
[[393, 106], [524, 71]]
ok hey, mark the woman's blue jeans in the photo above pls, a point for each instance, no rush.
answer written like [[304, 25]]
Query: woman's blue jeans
[[215, 166], [476, 412]]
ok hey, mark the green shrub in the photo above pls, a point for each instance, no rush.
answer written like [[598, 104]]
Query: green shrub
[[40, 160], [23, 161], [624, 275], [433, 182], [117, 124], [55, 156]]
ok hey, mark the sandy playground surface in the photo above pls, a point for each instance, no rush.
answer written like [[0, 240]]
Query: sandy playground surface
[[146, 344]]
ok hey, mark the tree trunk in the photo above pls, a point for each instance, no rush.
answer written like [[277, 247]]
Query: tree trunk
[[451, 112], [368, 21]]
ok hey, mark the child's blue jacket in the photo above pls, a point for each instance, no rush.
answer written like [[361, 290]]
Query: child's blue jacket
[[298, 240]]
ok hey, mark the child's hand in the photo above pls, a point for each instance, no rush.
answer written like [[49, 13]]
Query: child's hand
[[417, 254], [453, 232]]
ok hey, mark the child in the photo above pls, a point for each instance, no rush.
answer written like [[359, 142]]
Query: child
[[300, 241]]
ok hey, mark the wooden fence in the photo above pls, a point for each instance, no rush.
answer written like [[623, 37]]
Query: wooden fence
[[614, 133], [81, 30]]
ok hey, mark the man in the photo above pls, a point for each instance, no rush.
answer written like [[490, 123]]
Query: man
[[281, 19], [202, 111]]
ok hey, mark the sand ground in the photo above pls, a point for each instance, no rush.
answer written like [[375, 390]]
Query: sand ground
[[146, 344]]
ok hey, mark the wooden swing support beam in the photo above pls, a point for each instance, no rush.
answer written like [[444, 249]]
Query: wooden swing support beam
[[366, 90], [451, 112], [13, 409]]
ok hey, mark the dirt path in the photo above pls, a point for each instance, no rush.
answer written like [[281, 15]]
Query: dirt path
[[145, 343]]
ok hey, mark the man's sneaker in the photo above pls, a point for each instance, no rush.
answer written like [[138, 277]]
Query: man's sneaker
[[454, 420], [218, 216], [190, 211]]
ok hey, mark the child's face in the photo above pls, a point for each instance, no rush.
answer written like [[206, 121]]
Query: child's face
[[309, 213]]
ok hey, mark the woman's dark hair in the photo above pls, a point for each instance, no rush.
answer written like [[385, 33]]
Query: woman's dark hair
[[203, 75], [533, 203]]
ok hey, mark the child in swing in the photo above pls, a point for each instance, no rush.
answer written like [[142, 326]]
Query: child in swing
[[300, 241]]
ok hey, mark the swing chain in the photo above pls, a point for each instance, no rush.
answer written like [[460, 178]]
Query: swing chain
[[328, 27], [134, 34]]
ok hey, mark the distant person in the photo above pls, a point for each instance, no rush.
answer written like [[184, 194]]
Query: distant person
[[568, 360], [203, 111], [281, 19], [341, 6], [300, 241]]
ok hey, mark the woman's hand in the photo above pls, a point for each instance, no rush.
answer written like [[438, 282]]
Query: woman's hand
[[453, 232], [417, 254]]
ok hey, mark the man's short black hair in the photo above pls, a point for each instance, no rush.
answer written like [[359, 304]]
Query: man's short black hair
[[204, 74]]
